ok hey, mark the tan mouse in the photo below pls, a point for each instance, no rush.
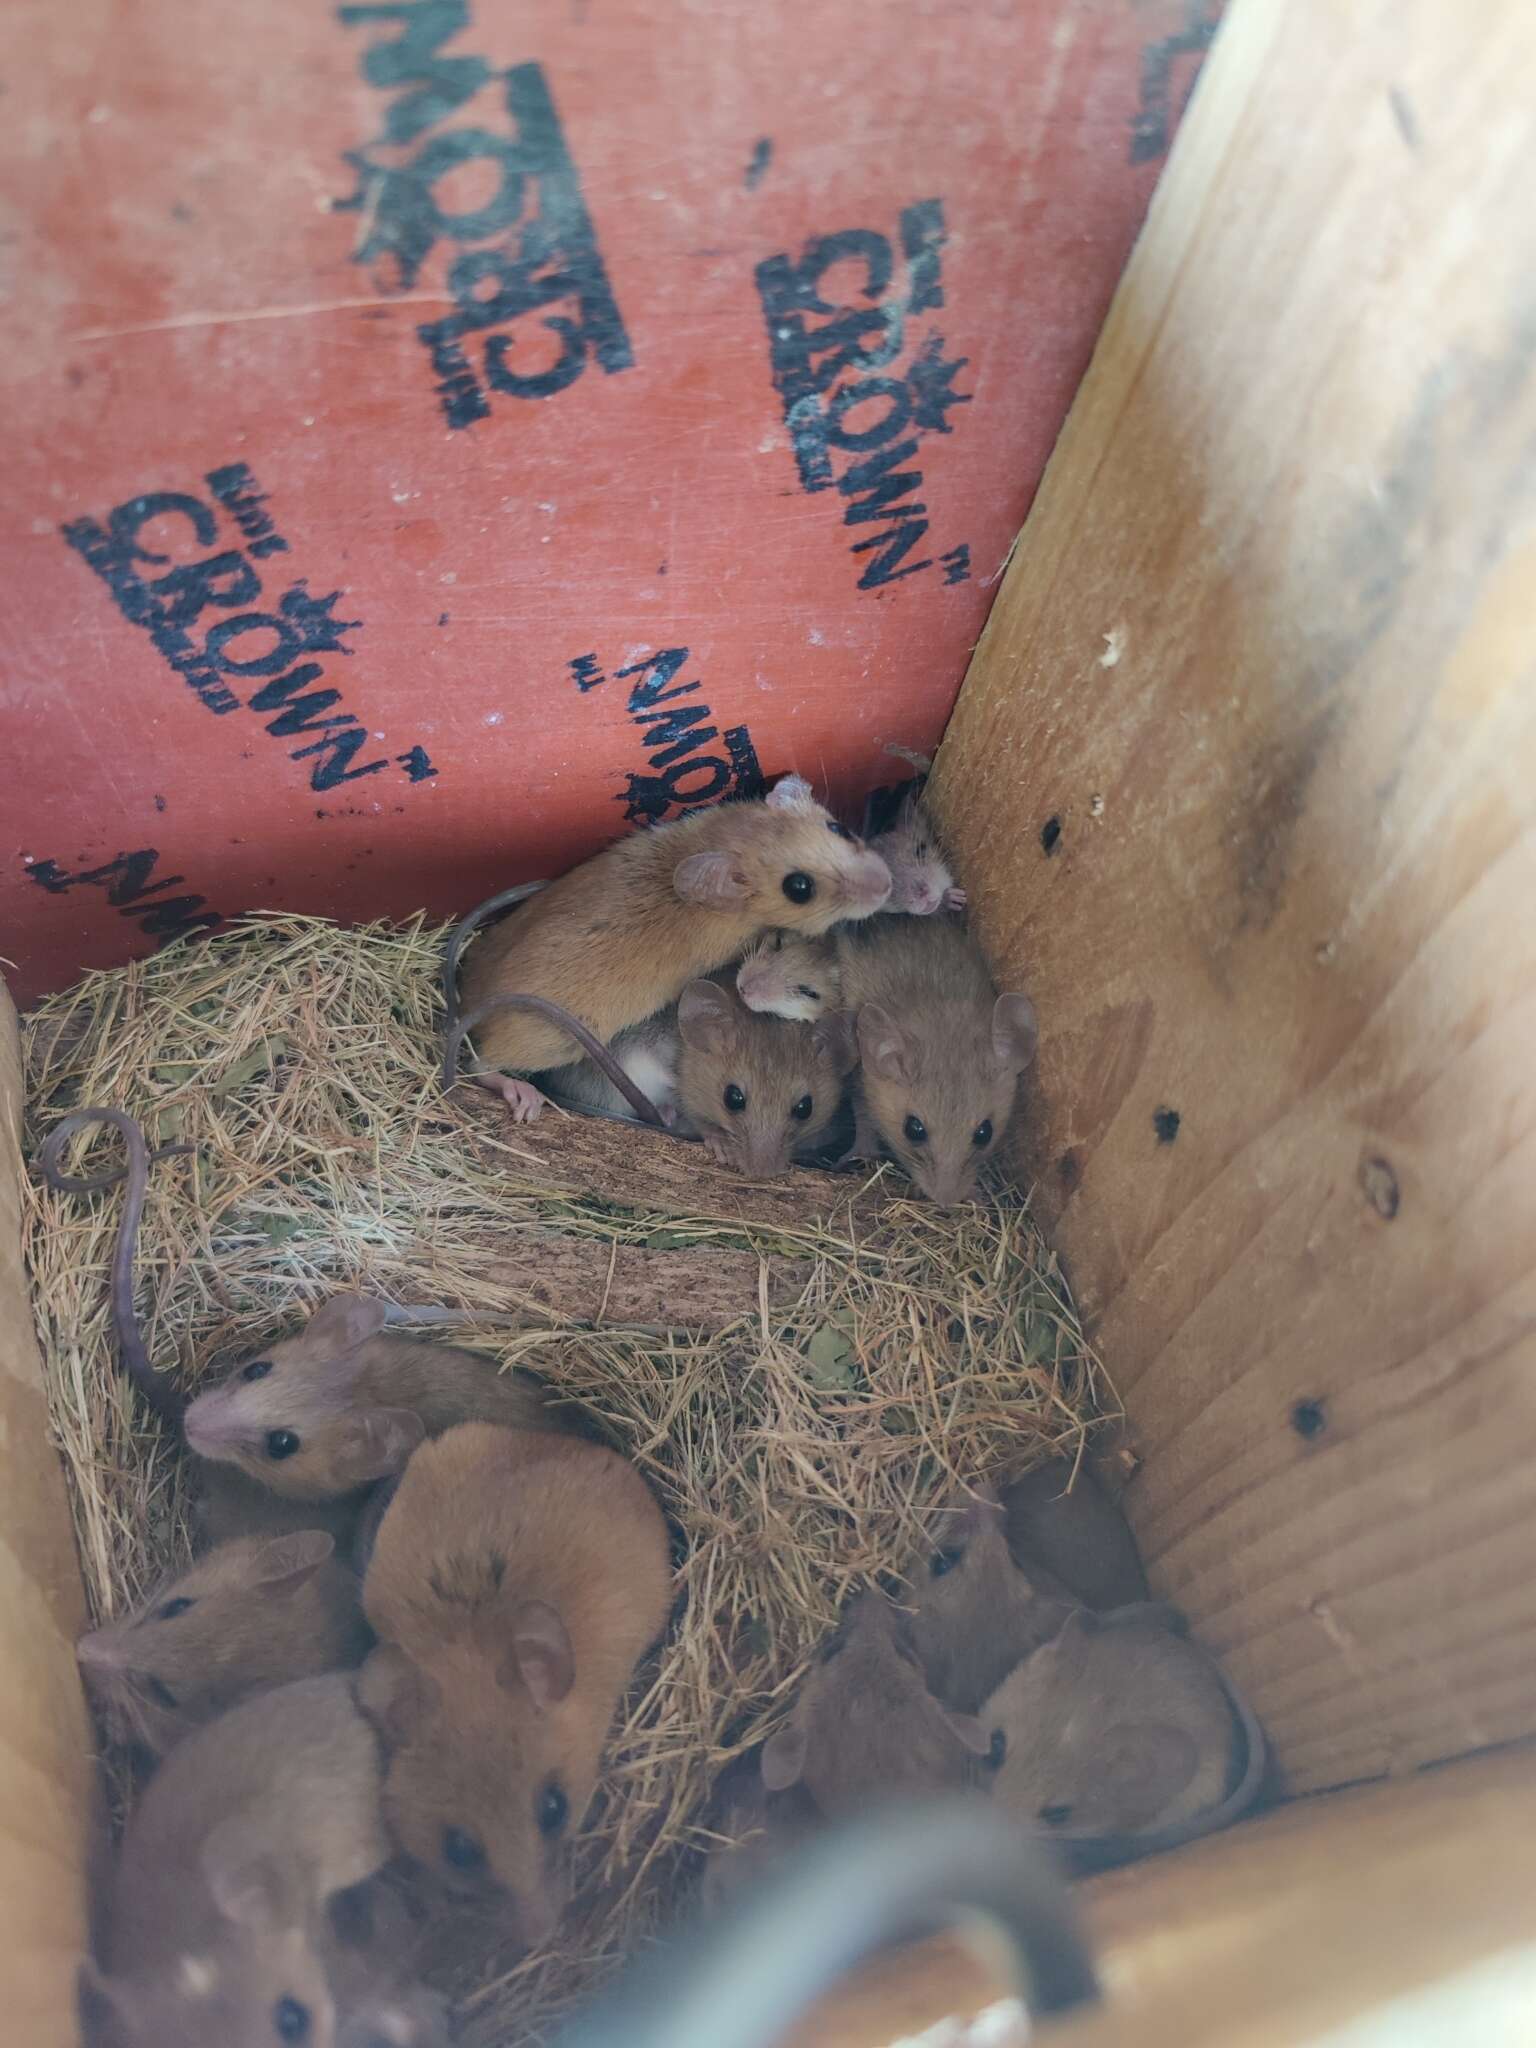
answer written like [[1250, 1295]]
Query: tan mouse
[[618, 938], [940, 1051], [974, 1613], [922, 880], [1117, 1726], [866, 1728], [759, 1090], [788, 976], [250, 1615], [217, 1920], [516, 1580], [322, 1414]]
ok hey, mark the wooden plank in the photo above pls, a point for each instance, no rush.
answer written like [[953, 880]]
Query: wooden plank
[[47, 1776], [1243, 783], [1380, 1901]]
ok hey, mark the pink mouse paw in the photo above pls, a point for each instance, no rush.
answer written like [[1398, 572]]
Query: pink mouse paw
[[954, 899], [526, 1102], [718, 1150]]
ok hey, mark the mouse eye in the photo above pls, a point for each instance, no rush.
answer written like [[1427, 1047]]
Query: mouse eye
[[290, 2020], [841, 830], [735, 1099], [553, 1808], [1055, 1816], [812, 995], [916, 1131], [281, 1443], [982, 1135], [462, 1849], [799, 887], [172, 1608], [161, 1694], [802, 1109], [943, 1561], [257, 1369], [997, 1749]]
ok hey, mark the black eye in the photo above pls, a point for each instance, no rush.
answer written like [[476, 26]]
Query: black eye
[[257, 1369], [462, 1849], [161, 1694], [281, 1443], [943, 1561], [290, 2020], [841, 830], [172, 1608], [734, 1098], [799, 887], [982, 1135], [812, 995], [916, 1130], [802, 1109], [1055, 1816], [997, 1749], [554, 1809]]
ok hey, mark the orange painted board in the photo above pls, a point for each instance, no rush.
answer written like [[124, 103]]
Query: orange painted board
[[440, 433]]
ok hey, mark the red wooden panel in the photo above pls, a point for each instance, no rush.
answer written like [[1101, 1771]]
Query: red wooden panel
[[437, 432]]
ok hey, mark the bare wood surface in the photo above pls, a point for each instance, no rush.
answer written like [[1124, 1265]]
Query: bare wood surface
[[47, 1778], [1382, 1900], [1243, 785]]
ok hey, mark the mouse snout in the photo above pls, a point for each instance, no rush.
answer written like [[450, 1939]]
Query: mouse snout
[[948, 1186], [767, 1154], [869, 885], [211, 1427], [101, 1651]]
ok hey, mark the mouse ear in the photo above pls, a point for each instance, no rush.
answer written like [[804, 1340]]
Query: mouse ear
[[783, 1760], [835, 1040], [712, 880], [540, 1657], [395, 1694], [706, 1017], [374, 1445], [884, 1047], [975, 1734], [283, 1563], [342, 1323], [1015, 1031], [241, 1873], [792, 793]]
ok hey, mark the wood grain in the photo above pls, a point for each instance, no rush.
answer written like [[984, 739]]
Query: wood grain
[[1408, 1903], [47, 1778], [1243, 782]]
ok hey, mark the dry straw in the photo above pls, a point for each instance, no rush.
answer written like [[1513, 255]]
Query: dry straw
[[797, 1450]]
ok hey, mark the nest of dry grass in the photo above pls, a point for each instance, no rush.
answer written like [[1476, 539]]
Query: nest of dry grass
[[797, 1449]]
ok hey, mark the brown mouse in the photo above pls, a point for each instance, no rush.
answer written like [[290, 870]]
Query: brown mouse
[[758, 1089], [788, 976], [922, 880], [940, 1051], [250, 1615], [647, 1053], [319, 1415], [1118, 1726], [866, 1728], [217, 1923], [516, 1580], [975, 1613], [1061, 1518], [618, 938]]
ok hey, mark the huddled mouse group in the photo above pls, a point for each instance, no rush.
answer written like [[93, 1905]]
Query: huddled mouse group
[[381, 1692]]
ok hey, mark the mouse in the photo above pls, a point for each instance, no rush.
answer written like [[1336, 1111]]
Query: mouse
[[922, 881], [974, 1612], [250, 1615], [1116, 1727], [866, 1728], [647, 1053], [1061, 1518], [790, 977], [751, 1829], [758, 1089], [322, 1414], [241, 1845], [619, 937], [940, 1051], [516, 1580]]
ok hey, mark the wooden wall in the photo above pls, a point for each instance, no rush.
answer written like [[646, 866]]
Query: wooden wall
[[1243, 781]]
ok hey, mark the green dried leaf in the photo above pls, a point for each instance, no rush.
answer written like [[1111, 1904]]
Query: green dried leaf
[[830, 1358]]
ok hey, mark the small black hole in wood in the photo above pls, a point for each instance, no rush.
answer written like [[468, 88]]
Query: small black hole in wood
[[1050, 834], [1308, 1418], [1166, 1124]]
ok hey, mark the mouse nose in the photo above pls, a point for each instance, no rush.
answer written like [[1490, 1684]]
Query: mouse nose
[[98, 1652]]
